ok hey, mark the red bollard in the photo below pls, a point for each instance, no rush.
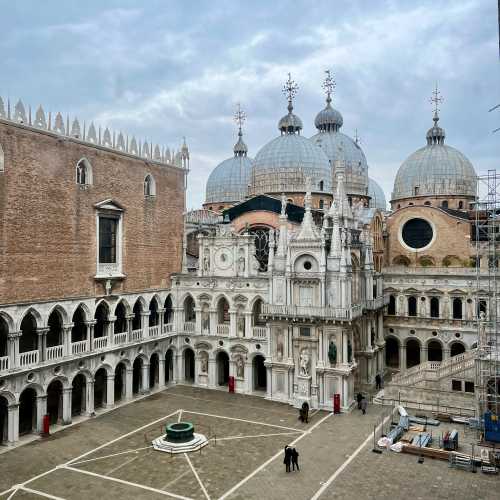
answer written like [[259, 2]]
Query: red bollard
[[336, 403], [46, 426], [231, 384]]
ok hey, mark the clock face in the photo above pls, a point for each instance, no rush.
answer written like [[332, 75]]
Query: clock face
[[224, 258]]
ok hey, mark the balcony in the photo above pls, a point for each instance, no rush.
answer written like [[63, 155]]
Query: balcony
[[4, 363], [120, 338], [29, 358], [55, 352], [189, 327], [100, 343], [79, 347], [377, 303], [154, 331], [168, 328], [135, 335], [259, 332], [310, 312], [222, 329]]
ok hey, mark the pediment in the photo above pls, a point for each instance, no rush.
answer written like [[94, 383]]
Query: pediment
[[457, 291], [434, 291], [411, 290], [391, 290], [109, 204], [240, 298]]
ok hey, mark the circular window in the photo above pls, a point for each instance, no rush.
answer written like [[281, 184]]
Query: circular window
[[457, 335], [221, 343], [307, 265], [31, 377], [187, 340], [257, 346], [412, 332], [434, 334], [417, 233]]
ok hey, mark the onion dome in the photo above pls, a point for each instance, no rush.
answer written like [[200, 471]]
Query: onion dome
[[376, 194], [228, 182], [284, 164], [338, 146], [436, 169]]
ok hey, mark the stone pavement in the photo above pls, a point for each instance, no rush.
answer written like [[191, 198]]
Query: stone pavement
[[245, 461]]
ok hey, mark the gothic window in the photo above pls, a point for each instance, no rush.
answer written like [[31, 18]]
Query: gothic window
[[2, 166], [83, 173], [457, 308], [109, 239], [321, 186], [261, 246], [391, 309], [434, 307], [149, 186], [412, 306]]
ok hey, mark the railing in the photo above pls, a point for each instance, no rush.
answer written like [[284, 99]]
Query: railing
[[108, 269], [28, 358], [100, 343], [341, 313], [377, 302], [222, 329], [259, 332], [135, 335], [154, 331], [4, 363], [54, 352], [189, 326], [168, 328], [120, 338], [78, 347]]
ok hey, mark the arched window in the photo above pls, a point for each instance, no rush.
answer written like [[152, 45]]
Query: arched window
[[412, 306], [434, 307], [457, 308], [460, 205], [2, 166], [391, 309], [149, 186], [83, 173], [321, 204], [444, 204], [321, 185]]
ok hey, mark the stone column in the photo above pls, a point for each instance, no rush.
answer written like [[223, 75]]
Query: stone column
[[110, 391], [41, 410], [232, 323], [248, 324], [67, 339], [269, 381], [111, 330], [345, 337], [161, 373], [145, 324], [42, 344], [90, 334], [249, 377], [446, 353], [178, 368], [89, 399], [321, 347], [402, 357], [196, 365], [13, 348], [129, 318], [129, 377], [197, 326], [212, 373], [161, 319], [213, 321], [13, 423], [145, 378], [66, 401], [178, 319]]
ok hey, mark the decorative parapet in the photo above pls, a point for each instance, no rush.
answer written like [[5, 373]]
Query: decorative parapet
[[99, 137]]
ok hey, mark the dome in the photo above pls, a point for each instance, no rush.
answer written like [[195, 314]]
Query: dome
[[376, 193], [229, 181], [338, 146], [283, 164], [435, 170]]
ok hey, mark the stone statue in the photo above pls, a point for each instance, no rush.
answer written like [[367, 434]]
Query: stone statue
[[240, 367], [206, 264], [205, 319], [332, 353], [279, 345], [304, 363], [241, 266], [204, 362]]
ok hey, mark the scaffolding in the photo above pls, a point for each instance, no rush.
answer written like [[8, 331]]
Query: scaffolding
[[487, 238]]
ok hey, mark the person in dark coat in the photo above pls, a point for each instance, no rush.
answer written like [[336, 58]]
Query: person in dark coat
[[288, 458], [364, 405], [378, 381], [359, 398], [295, 459]]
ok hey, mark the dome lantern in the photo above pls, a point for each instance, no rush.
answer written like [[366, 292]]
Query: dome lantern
[[328, 119], [290, 123]]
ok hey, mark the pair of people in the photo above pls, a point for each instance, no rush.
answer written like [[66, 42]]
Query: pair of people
[[291, 458], [362, 402]]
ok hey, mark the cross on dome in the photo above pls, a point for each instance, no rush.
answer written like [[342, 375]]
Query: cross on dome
[[239, 116], [436, 99], [328, 86]]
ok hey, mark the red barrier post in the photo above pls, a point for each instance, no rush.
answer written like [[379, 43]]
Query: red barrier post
[[231, 384], [46, 426]]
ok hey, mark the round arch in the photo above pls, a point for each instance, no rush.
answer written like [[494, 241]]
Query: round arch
[[413, 351], [392, 350], [435, 350], [456, 348]]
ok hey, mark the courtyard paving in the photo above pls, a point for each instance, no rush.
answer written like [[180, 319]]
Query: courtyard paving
[[110, 456]]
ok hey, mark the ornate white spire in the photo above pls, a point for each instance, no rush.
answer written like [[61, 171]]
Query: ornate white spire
[[343, 206], [75, 128], [91, 134], [308, 230], [59, 124], [106, 139], [19, 112], [2, 109]]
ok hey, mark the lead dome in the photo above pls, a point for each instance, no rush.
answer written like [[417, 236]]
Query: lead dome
[[376, 194], [435, 170]]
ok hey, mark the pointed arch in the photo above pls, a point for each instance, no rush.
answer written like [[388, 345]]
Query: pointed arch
[[35, 314], [149, 186], [85, 311], [125, 304], [61, 311], [83, 172]]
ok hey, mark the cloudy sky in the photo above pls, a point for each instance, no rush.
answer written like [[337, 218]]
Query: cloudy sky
[[163, 69]]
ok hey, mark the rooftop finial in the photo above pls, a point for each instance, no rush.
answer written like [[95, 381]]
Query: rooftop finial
[[240, 148], [290, 91], [357, 139], [328, 86], [436, 99]]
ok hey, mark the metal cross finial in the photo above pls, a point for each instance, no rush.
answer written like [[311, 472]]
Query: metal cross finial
[[290, 88], [239, 116], [436, 99], [357, 139], [328, 84]]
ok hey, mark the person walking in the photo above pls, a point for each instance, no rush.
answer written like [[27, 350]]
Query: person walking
[[295, 459], [288, 458], [378, 381], [364, 405], [359, 398]]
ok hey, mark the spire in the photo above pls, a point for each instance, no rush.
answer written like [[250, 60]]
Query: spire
[[343, 206], [435, 135], [290, 123], [308, 229], [240, 148]]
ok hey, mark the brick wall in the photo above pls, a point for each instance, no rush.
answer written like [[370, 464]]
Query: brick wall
[[48, 222]]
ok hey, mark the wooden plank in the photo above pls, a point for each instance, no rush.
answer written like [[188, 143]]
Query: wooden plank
[[426, 451]]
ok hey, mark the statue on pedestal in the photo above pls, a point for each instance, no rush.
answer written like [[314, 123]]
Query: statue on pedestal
[[304, 363]]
